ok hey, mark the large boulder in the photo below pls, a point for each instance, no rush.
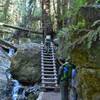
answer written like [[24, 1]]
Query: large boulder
[[25, 65], [4, 65]]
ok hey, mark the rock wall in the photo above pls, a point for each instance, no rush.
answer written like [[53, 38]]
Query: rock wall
[[84, 49], [88, 77]]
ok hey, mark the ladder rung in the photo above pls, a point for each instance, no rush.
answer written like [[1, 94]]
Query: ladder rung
[[48, 68], [46, 56], [48, 53], [47, 59], [49, 74], [49, 78], [45, 82], [47, 62], [45, 71], [51, 67], [48, 65]]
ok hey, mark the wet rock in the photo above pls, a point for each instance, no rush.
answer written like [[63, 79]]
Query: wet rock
[[32, 92], [4, 65], [25, 65]]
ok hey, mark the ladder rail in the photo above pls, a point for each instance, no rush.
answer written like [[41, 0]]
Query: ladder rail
[[48, 67]]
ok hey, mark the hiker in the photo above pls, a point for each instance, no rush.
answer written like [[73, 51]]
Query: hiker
[[64, 78], [59, 62], [47, 43]]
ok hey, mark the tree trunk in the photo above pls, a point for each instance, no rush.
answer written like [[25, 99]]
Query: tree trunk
[[6, 6], [65, 9], [59, 10], [46, 20], [26, 20]]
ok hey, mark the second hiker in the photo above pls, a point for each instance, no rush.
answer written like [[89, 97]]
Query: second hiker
[[64, 77]]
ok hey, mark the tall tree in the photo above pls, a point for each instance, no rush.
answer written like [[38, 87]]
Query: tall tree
[[59, 13], [46, 20], [26, 18], [6, 6]]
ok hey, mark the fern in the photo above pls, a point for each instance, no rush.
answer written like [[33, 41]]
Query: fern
[[95, 23], [92, 36]]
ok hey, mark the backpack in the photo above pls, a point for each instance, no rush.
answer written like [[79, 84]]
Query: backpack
[[67, 72]]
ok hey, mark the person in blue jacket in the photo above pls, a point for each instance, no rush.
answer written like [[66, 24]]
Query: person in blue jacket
[[66, 73]]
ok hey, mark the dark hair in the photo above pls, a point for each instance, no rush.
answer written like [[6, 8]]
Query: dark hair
[[62, 60]]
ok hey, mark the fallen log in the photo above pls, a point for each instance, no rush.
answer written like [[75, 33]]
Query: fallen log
[[22, 29], [5, 44], [5, 31]]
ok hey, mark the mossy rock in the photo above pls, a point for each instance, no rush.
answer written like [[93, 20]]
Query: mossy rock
[[89, 84], [25, 65]]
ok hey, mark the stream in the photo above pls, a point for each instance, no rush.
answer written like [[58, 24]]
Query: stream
[[16, 86], [17, 91]]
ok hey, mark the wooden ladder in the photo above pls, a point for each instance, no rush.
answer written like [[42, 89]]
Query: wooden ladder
[[48, 68]]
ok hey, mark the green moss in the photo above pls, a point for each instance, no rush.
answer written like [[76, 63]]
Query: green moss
[[89, 83], [79, 57]]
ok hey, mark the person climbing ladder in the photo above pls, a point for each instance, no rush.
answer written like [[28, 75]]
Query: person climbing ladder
[[47, 43]]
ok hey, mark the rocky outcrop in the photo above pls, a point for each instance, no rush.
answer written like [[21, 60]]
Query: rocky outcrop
[[85, 54], [84, 49], [87, 61], [25, 65], [4, 65]]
